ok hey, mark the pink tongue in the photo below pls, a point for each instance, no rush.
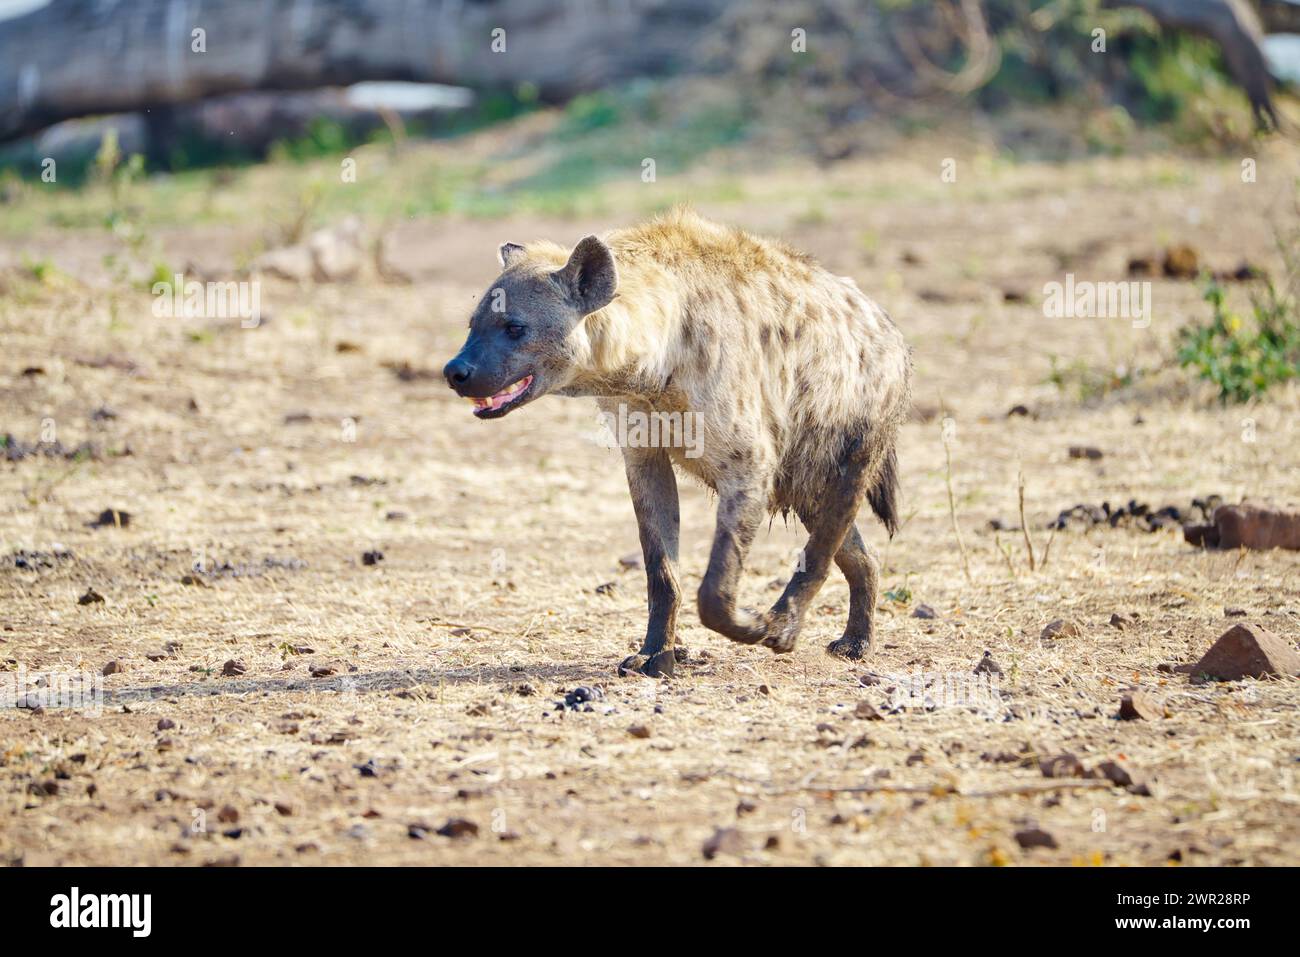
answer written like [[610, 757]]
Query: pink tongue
[[498, 401]]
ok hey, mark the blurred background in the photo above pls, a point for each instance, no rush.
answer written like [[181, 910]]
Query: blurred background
[[219, 85]]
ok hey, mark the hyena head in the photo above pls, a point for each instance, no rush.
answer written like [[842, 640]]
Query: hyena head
[[519, 344]]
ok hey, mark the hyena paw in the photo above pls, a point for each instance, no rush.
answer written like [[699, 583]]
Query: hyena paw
[[658, 665], [782, 632], [852, 647]]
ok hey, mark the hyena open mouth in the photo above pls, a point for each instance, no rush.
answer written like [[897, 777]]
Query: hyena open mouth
[[495, 406]]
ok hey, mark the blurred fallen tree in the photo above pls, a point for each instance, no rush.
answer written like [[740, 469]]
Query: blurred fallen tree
[[71, 59]]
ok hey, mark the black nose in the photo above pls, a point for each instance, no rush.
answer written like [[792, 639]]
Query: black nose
[[458, 372]]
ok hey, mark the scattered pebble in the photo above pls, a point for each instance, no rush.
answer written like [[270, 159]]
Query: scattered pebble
[[111, 518], [91, 597], [1061, 628], [1035, 837], [1064, 765], [459, 827], [725, 840], [233, 668], [1138, 705]]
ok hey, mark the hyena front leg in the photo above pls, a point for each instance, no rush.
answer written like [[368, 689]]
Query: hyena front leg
[[654, 498], [740, 510]]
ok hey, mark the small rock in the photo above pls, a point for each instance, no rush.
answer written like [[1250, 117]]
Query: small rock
[[1061, 628], [1113, 772], [1248, 525], [867, 711], [233, 668], [1085, 452], [292, 263], [632, 561], [372, 557], [1248, 651], [114, 667], [228, 815], [1181, 262], [1064, 765], [639, 731], [111, 518], [91, 597], [459, 827], [608, 588], [581, 698], [1035, 837], [284, 809], [924, 611], [166, 724], [1234, 613], [324, 669], [1138, 705], [1118, 621], [725, 840], [987, 666], [1018, 410], [157, 655]]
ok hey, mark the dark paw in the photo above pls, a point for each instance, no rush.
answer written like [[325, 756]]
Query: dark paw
[[653, 666], [849, 647]]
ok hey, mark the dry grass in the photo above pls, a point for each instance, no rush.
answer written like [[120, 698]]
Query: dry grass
[[510, 526]]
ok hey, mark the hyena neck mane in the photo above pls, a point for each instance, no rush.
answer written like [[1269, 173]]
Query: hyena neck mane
[[628, 347]]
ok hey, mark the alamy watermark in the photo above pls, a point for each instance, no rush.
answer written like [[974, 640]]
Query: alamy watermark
[[182, 299], [1084, 299], [74, 690], [931, 691], [626, 428]]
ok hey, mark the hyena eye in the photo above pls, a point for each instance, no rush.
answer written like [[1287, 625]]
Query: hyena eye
[[514, 330]]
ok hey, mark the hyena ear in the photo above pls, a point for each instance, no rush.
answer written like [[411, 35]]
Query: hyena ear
[[509, 254], [590, 277]]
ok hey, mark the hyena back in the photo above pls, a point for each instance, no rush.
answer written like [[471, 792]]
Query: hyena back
[[797, 380]]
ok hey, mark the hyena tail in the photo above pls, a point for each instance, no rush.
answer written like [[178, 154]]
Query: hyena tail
[[883, 496]]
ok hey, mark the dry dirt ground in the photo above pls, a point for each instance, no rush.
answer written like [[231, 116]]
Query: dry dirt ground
[[275, 457]]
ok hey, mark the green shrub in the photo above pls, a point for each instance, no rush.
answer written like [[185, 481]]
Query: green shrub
[[1244, 357]]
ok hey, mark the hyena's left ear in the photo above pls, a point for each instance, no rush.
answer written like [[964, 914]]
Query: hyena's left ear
[[509, 254], [590, 277]]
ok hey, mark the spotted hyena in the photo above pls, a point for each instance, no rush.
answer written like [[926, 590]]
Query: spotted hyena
[[798, 383]]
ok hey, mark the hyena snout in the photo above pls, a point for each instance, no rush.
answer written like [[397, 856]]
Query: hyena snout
[[459, 373]]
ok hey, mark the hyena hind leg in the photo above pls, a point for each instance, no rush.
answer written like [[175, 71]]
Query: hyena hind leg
[[828, 525], [861, 566]]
